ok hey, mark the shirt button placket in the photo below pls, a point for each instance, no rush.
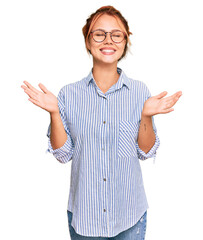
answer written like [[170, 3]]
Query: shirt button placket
[[105, 170], [104, 122]]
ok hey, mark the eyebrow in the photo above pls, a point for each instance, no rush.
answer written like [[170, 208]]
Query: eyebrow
[[106, 31]]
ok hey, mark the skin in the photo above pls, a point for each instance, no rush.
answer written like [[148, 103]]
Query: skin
[[105, 75], [105, 66]]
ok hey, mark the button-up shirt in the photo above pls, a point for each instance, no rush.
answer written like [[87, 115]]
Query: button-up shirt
[[107, 194]]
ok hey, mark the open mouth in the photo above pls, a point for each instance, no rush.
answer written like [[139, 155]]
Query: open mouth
[[107, 51]]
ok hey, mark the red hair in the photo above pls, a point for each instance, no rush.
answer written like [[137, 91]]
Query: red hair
[[110, 10]]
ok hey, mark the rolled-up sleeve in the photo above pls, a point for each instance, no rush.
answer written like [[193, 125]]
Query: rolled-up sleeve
[[152, 152], [64, 153]]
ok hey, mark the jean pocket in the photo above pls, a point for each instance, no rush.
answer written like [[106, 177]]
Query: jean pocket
[[128, 133]]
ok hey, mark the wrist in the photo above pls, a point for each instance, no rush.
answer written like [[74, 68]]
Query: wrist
[[54, 113], [145, 116]]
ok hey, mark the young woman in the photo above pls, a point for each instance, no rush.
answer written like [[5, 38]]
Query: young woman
[[104, 124]]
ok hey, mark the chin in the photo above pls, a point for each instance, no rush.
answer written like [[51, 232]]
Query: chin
[[98, 57], [108, 60]]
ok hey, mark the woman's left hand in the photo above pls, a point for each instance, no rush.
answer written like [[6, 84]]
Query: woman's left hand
[[158, 104]]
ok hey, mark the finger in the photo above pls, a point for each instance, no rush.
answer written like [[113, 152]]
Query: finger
[[161, 95], [37, 103], [30, 93], [31, 87], [168, 106], [174, 96], [167, 110], [170, 103], [43, 88], [24, 87], [34, 101], [179, 93]]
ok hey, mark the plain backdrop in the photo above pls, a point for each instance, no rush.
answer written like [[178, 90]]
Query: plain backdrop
[[42, 41]]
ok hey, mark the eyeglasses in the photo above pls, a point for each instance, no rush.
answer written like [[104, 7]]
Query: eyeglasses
[[100, 35]]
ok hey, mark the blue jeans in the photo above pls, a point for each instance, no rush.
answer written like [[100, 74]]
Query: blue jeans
[[136, 232]]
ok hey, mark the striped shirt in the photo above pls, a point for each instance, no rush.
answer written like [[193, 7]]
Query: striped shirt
[[107, 194]]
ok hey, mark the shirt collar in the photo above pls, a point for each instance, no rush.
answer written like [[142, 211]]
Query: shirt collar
[[123, 79]]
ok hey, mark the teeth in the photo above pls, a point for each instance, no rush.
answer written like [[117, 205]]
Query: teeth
[[107, 50]]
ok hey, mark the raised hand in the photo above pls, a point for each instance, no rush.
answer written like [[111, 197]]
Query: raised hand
[[43, 99], [158, 104]]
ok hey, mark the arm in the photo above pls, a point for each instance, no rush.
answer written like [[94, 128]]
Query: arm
[[48, 101], [58, 135], [60, 141], [146, 135], [152, 106]]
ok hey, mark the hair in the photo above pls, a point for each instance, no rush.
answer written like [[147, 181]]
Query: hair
[[109, 10]]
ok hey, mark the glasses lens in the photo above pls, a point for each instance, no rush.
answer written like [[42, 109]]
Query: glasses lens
[[98, 36], [117, 36]]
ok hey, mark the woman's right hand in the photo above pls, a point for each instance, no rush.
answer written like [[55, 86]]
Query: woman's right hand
[[45, 99]]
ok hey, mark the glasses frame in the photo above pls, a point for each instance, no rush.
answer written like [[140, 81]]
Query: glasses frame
[[106, 35]]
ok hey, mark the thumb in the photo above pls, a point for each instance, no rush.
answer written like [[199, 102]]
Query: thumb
[[161, 95], [43, 88]]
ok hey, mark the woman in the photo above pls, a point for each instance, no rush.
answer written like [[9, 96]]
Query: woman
[[104, 124]]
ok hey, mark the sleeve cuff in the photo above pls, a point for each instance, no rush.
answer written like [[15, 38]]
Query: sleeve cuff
[[64, 153], [152, 152]]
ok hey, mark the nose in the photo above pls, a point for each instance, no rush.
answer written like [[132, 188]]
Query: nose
[[108, 38]]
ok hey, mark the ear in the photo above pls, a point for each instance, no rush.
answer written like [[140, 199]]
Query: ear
[[88, 44]]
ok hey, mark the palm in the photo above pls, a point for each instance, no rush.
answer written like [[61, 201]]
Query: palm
[[158, 104], [44, 99]]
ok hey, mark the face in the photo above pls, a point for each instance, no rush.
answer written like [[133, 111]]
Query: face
[[106, 51]]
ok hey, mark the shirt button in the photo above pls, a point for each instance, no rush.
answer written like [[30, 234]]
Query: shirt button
[[104, 122], [102, 148], [104, 179], [104, 210]]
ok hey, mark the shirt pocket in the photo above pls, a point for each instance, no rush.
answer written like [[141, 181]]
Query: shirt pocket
[[128, 133]]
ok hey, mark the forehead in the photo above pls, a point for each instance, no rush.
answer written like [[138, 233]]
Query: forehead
[[108, 23]]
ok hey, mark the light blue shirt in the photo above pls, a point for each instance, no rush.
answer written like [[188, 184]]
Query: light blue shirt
[[107, 194]]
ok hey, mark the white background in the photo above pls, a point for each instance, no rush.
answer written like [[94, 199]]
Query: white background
[[41, 41]]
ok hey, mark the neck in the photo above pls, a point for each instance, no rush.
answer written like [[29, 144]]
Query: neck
[[105, 75]]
